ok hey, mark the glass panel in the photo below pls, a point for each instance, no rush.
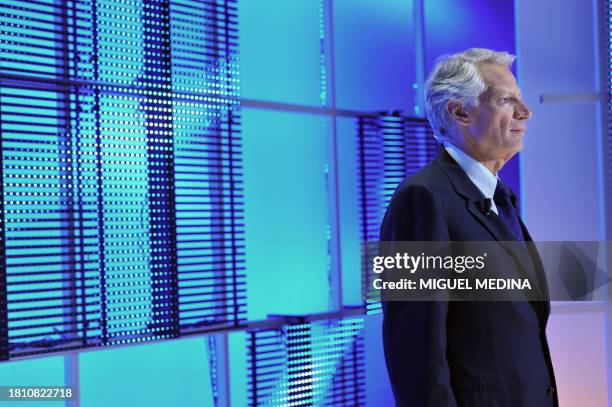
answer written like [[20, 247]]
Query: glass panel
[[160, 374], [374, 55], [280, 50], [285, 212], [452, 26], [350, 237], [47, 371]]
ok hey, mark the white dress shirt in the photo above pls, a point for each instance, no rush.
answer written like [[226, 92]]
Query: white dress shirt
[[480, 176]]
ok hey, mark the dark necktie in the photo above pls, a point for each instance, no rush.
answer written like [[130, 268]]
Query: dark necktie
[[505, 211]]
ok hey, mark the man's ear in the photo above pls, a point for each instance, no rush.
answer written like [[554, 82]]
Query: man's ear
[[455, 110]]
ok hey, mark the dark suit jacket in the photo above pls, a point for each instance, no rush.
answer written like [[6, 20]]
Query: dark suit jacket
[[463, 353]]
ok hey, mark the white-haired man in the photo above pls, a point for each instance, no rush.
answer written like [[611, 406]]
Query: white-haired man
[[468, 353]]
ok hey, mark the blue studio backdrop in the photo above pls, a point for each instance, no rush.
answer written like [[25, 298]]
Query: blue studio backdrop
[[186, 185]]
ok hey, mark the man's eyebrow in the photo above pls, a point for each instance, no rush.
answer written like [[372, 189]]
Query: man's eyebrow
[[506, 91]]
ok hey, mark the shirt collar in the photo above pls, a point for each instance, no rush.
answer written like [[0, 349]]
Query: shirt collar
[[484, 180]]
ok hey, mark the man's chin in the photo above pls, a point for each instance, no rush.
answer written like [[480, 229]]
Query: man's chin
[[516, 147], [511, 152], [519, 147]]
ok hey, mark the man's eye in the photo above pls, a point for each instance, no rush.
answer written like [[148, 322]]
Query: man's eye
[[506, 99]]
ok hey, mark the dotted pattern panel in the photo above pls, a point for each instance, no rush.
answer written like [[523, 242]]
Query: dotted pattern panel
[[390, 148], [319, 363], [121, 172]]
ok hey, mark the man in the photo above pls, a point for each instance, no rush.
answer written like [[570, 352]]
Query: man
[[468, 353]]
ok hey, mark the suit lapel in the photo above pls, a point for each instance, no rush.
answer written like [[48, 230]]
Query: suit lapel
[[464, 187]]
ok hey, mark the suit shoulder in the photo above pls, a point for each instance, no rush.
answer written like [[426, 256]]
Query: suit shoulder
[[430, 179], [417, 211]]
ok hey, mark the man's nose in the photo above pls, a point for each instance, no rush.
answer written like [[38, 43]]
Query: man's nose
[[522, 111]]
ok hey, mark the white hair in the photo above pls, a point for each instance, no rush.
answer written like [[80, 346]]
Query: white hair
[[456, 77]]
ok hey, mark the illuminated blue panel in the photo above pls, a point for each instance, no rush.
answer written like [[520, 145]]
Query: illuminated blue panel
[[207, 168], [378, 387], [47, 371], [49, 188], [133, 149], [375, 154], [389, 149], [319, 363], [348, 171], [374, 50], [286, 212], [237, 342], [453, 26], [121, 175], [159, 374], [280, 50]]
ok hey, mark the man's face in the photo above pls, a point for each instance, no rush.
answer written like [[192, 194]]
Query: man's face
[[495, 128]]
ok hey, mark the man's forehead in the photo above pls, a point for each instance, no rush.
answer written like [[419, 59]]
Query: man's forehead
[[498, 78]]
